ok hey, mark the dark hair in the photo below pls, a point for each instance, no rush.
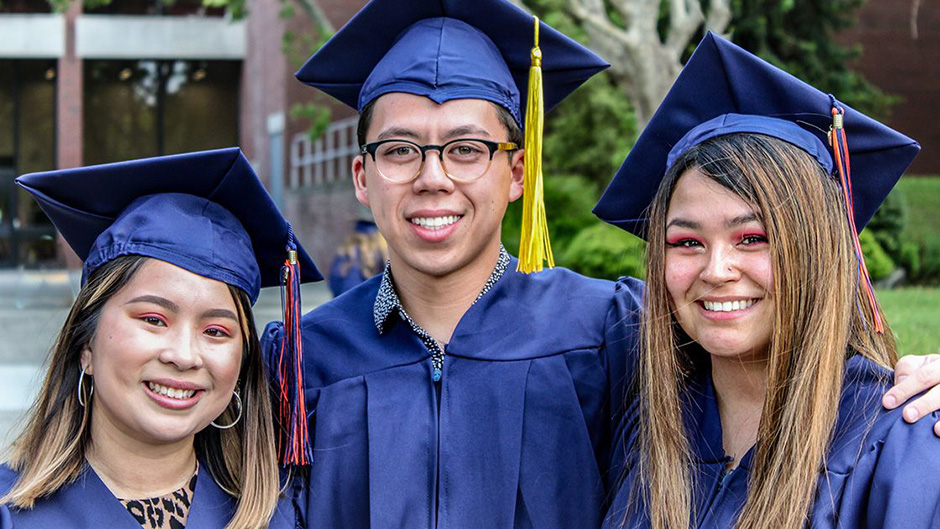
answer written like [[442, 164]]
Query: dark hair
[[505, 117]]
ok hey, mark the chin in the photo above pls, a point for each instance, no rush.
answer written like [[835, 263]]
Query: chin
[[726, 349], [173, 431], [436, 263]]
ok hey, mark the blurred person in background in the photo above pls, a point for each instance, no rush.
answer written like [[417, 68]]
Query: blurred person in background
[[362, 255]]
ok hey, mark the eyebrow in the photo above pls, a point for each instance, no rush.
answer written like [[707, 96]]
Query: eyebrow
[[173, 307], [220, 313], [731, 223], [156, 300], [397, 132], [466, 130]]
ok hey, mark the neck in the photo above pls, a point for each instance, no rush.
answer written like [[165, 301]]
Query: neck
[[437, 303], [133, 469], [740, 388]]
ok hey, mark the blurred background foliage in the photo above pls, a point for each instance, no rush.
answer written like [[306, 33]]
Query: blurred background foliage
[[589, 135]]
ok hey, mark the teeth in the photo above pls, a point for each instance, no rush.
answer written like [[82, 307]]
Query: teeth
[[728, 306], [435, 223], [173, 393]]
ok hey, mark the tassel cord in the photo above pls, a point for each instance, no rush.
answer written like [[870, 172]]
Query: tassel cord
[[535, 247], [840, 154]]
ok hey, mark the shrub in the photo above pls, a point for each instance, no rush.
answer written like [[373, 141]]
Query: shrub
[[889, 223], [568, 202], [930, 264], [878, 262], [910, 259], [607, 252]]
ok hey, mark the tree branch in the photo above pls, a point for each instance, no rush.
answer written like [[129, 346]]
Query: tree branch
[[315, 12]]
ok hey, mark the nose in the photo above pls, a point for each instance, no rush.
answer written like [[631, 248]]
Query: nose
[[432, 177], [182, 351], [722, 266]]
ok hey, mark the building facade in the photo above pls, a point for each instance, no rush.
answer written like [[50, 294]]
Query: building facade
[[139, 78]]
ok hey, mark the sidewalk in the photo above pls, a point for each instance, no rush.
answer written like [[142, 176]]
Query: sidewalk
[[33, 307]]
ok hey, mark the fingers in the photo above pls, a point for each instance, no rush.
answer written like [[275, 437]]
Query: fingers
[[907, 365], [912, 377]]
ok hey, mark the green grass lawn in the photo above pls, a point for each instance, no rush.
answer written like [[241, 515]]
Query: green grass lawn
[[914, 313]]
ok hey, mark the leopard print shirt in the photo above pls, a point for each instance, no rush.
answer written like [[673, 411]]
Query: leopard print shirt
[[167, 512]]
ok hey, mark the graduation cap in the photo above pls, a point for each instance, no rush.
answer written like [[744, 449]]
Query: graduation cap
[[206, 212], [724, 89], [460, 49]]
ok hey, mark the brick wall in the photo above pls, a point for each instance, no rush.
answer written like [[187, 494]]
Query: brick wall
[[898, 63], [324, 215]]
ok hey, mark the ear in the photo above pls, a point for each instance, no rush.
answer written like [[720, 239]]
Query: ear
[[359, 179], [517, 175], [85, 361]]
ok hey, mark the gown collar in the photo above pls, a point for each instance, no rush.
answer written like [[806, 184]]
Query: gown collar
[[387, 302], [703, 421]]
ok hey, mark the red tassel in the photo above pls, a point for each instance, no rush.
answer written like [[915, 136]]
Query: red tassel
[[293, 437], [840, 153]]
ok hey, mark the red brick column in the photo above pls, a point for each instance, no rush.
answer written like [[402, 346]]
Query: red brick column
[[69, 111], [69, 96]]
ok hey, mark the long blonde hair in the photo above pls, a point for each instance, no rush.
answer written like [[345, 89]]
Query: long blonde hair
[[50, 453], [819, 318]]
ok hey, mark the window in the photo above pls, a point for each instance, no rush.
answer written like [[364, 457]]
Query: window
[[137, 109], [27, 144]]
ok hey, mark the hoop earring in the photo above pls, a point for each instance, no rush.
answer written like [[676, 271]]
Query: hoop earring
[[82, 401], [238, 403]]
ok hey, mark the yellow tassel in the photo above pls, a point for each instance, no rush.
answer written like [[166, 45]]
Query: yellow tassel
[[534, 244]]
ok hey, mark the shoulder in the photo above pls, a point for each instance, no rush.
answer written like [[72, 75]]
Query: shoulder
[[356, 302], [881, 471], [560, 285], [862, 418], [353, 307], [558, 310]]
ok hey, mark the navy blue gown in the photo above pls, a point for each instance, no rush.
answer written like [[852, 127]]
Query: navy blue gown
[[880, 471], [87, 502], [517, 432]]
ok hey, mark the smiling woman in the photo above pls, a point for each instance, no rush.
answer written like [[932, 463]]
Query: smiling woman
[[764, 351], [155, 411]]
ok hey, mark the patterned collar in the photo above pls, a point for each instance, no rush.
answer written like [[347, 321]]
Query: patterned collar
[[387, 301]]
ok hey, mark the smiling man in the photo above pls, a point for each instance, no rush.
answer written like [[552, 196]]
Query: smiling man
[[452, 390]]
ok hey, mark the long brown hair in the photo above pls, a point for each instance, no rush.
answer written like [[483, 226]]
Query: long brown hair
[[50, 453], [819, 317]]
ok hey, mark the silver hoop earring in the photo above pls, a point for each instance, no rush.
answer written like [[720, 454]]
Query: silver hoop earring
[[81, 394], [238, 403]]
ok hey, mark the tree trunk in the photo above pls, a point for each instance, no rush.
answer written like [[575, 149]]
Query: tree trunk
[[643, 62]]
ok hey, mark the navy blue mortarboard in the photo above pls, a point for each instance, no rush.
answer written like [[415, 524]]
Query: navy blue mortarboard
[[206, 212], [446, 49], [724, 89]]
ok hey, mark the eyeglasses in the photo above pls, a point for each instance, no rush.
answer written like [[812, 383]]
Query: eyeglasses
[[463, 160]]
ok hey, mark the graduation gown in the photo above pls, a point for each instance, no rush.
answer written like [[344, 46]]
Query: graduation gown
[[517, 433], [880, 472], [87, 502]]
